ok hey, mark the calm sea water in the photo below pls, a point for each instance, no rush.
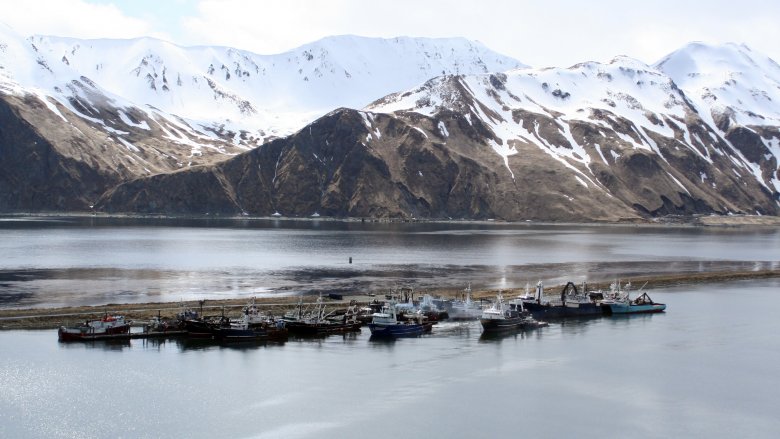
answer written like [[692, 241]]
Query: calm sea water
[[95, 261], [706, 368]]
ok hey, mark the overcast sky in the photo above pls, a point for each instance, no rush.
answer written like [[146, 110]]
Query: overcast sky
[[539, 33]]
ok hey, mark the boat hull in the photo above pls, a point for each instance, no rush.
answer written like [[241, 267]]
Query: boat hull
[[199, 329], [500, 325], [237, 335], [83, 333], [304, 329], [619, 308], [399, 329], [546, 312]]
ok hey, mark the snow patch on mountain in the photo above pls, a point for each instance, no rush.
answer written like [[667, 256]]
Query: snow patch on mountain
[[213, 85], [728, 79], [633, 105]]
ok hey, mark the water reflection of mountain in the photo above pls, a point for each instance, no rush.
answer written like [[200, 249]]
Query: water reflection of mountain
[[171, 260]]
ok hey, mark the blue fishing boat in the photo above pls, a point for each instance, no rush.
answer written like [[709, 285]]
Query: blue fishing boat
[[386, 324], [624, 305]]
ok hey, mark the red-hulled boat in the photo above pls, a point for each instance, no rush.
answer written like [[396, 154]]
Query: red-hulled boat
[[106, 327]]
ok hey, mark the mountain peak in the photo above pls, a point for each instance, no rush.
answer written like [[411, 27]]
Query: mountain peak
[[700, 58], [727, 79]]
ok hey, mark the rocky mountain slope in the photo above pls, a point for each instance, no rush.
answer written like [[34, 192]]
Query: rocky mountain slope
[[613, 141], [169, 130], [130, 108]]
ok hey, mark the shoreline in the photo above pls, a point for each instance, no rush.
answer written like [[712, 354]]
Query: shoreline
[[739, 220], [52, 318]]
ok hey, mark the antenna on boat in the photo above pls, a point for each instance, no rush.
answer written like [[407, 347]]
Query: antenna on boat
[[539, 291]]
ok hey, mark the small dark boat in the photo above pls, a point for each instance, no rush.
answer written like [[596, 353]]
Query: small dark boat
[[238, 332], [199, 328], [319, 323], [508, 316], [502, 316], [572, 303]]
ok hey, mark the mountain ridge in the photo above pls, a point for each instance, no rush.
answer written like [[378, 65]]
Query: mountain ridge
[[621, 140]]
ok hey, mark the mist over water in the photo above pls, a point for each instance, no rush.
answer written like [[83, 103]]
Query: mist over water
[[95, 261]]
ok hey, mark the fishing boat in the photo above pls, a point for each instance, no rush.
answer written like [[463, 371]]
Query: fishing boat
[[187, 313], [503, 316], [572, 303], [109, 326], [318, 322], [527, 297], [240, 331], [624, 305], [160, 326], [204, 328], [386, 324], [253, 318]]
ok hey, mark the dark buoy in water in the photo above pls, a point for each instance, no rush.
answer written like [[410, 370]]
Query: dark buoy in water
[[350, 259]]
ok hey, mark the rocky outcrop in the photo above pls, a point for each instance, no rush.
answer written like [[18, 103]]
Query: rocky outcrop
[[35, 175]]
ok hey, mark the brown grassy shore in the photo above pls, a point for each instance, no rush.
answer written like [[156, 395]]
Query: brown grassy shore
[[49, 318]]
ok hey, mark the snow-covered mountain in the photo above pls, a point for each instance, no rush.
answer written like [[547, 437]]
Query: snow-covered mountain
[[129, 108], [208, 92], [706, 116], [474, 134], [596, 141], [729, 80]]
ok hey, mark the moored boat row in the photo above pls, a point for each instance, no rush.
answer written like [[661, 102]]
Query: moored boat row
[[388, 319]]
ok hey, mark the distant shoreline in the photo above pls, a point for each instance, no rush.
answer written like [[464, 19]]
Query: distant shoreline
[[50, 318], [673, 221]]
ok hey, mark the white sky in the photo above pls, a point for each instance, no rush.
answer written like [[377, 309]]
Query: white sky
[[539, 33]]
